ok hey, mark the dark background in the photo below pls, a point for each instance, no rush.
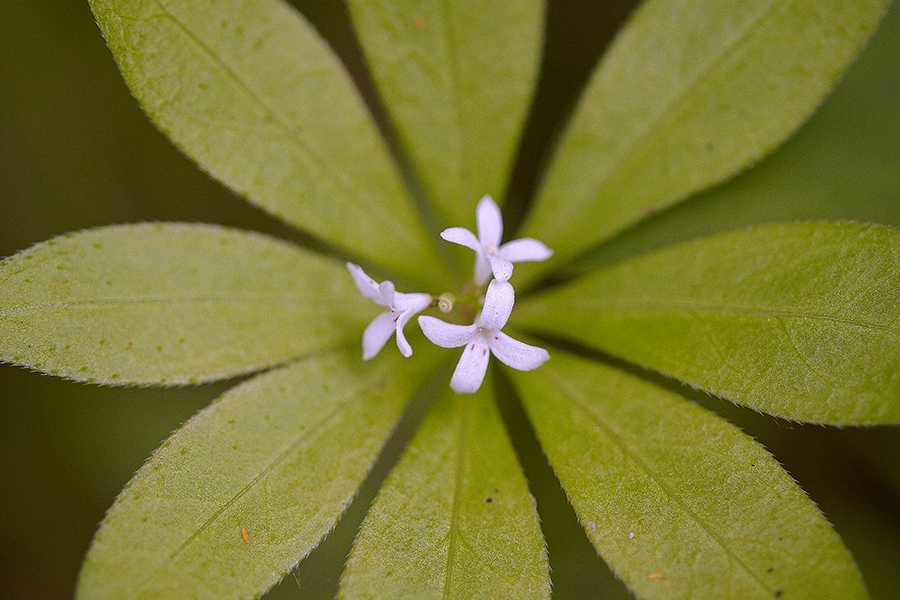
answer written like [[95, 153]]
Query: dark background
[[76, 152]]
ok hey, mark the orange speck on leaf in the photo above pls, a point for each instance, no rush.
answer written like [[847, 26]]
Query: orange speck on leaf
[[654, 575], [245, 535], [419, 22]]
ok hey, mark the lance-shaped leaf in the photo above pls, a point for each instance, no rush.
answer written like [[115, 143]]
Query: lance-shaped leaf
[[799, 320], [691, 92], [249, 90], [457, 79], [170, 304], [454, 519], [680, 503], [235, 498]]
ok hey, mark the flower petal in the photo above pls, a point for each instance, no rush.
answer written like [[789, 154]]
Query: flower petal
[[490, 222], [483, 270], [386, 289], [447, 335], [516, 354], [377, 333], [500, 267], [498, 304], [410, 305], [463, 237], [367, 286], [525, 250], [471, 368], [402, 344]]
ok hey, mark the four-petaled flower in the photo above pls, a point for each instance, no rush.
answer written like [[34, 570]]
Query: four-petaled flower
[[490, 255], [483, 337], [400, 309]]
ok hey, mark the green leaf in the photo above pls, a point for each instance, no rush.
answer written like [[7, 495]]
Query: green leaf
[[249, 90], [680, 503], [171, 304], [454, 519], [691, 92], [840, 166], [457, 79], [278, 457], [798, 320]]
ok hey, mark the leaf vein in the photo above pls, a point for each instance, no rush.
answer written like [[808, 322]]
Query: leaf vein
[[664, 486]]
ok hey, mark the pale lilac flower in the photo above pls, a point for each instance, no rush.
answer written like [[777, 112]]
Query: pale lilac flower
[[491, 257], [482, 338], [400, 309]]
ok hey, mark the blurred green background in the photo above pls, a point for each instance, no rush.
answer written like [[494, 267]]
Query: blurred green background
[[76, 152]]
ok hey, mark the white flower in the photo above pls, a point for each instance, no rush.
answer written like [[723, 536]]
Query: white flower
[[400, 309], [490, 255], [482, 338]]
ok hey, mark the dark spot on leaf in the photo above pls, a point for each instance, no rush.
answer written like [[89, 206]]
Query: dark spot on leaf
[[184, 451], [770, 569], [231, 421], [98, 245], [114, 376], [488, 499], [778, 593]]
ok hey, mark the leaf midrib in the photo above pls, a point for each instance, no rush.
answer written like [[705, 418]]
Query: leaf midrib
[[289, 133], [268, 468], [266, 301], [674, 308], [462, 439], [660, 481], [668, 112]]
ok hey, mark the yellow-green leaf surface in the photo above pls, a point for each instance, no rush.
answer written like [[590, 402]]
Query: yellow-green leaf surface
[[171, 304], [235, 498], [454, 519], [457, 78], [251, 92], [691, 92], [680, 503], [799, 320]]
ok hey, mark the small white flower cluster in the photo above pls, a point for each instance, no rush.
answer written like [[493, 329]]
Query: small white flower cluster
[[484, 336]]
